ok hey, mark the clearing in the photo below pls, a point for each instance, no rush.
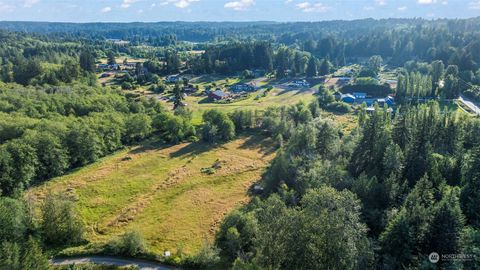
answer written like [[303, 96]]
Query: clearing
[[256, 101], [161, 192]]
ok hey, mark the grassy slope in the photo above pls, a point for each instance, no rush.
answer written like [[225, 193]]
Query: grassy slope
[[161, 191]]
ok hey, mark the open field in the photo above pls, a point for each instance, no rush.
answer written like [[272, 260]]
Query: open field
[[161, 192], [276, 97]]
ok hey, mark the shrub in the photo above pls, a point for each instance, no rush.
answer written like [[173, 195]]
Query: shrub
[[60, 224], [208, 170], [207, 258], [339, 107], [129, 244], [127, 86], [218, 126], [12, 220]]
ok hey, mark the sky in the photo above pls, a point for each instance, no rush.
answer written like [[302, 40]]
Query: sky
[[230, 10]]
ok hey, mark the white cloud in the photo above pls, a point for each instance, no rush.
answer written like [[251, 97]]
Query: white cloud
[[368, 8], [6, 8], [474, 5], [288, 1], [403, 8], [106, 9], [128, 3], [381, 2], [184, 3], [30, 3], [426, 2], [179, 3], [309, 7], [240, 5], [303, 5]]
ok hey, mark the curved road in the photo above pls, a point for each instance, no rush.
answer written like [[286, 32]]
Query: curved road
[[470, 104], [105, 260]]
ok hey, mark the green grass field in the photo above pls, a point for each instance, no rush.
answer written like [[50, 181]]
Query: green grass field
[[276, 97], [161, 192]]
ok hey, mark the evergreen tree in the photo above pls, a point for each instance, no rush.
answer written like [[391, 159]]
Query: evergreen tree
[[33, 257], [87, 61], [178, 95], [324, 68], [10, 256], [446, 226], [60, 224], [437, 73], [375, 63], [311, 67], [470, 194], [111, 58]]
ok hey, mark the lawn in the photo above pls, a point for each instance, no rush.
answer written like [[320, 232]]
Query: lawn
[[276, 97], [161, 192]]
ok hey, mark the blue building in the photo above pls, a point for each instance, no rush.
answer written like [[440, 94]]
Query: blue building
[[348, 98], [388, 100], [360, 95]]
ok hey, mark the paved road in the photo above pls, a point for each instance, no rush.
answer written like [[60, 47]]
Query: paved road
[[143, 265], [470, 104]]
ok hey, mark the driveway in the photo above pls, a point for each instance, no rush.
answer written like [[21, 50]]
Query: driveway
[[470, 104], [105, 260]]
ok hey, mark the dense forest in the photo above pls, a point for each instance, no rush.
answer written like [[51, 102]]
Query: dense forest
[[402, 184], [385, 196]]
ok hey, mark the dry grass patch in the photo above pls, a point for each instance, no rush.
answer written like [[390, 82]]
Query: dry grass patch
[[162, 192]]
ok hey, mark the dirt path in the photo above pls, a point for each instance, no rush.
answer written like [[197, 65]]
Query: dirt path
[[104, 260]]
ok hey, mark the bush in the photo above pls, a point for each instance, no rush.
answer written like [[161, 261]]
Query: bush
[[138, 127], [12, 220], [127, 86], [325, 97], [339, 107], [129, 244], [366, 81], [248, 74], [208, 170], [218, 126], [242, 119], [60, 224], [207, 258], [158, 88], [473, 93]]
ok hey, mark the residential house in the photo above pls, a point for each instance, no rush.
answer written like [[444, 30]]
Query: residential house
[[105, 75], [300, 83], [242, 87], [173, 78], [102, 66], [389, 101], [189, 89], [370, 110], [217, 95]]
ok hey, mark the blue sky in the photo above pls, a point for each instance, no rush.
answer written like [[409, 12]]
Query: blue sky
[[230, 10]]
